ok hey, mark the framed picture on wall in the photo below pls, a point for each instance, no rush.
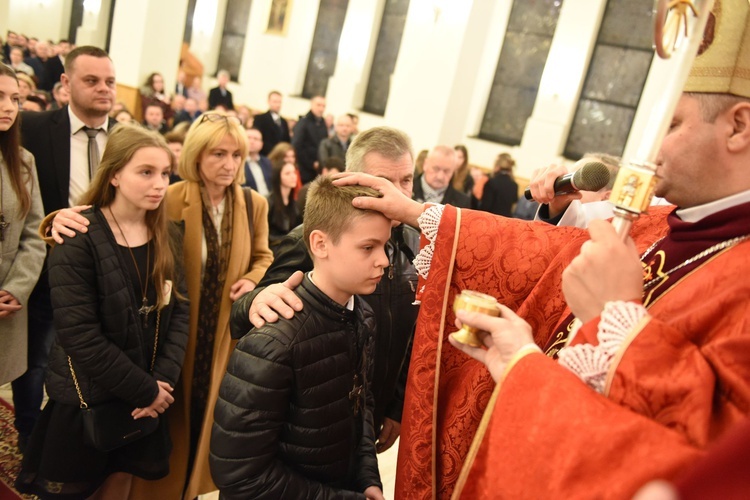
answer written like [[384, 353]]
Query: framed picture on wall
[[278, 19]]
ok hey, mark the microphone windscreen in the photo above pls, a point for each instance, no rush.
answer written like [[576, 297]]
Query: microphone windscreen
[[593, 176]]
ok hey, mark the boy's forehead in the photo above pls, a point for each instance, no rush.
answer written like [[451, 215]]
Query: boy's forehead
[[366, 225]]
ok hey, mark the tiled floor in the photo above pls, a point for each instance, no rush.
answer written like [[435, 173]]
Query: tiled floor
[[386, 460]]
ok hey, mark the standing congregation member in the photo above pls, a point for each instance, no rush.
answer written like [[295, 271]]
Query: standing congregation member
[[225, 255], [308, 133], [220, 95], [501, 191], [153, 93], [67, 144], [283, 214], [657, 372], [336, 145], [258, 167], [434, 185], [121, 332], [294, 416], [20, 214], [272, 125], [385, 152]]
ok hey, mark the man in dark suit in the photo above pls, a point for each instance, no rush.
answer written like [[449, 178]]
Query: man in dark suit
[[54, 67], [180, 88], [434, 185], [221, 96], [308, 134], [60, 145], [257, 166], [272, 126]]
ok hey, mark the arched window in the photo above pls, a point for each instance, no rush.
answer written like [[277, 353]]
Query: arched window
[[615, 79], [325, 47], [386, 53], [519, 70], [233, 37]]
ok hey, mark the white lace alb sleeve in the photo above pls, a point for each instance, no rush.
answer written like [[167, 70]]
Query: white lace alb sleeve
[[591, 363], [428, 223]]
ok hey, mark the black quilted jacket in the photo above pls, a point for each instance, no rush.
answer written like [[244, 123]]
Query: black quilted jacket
[[95, 313], [285, 425], [392, 301]]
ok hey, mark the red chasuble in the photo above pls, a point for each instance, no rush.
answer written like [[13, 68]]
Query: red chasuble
[[521, 264]]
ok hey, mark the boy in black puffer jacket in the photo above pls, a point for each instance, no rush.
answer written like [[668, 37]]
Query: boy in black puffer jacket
[[294, 415]]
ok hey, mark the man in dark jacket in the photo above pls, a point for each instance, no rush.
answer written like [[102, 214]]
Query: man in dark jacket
[[392, 300], [220, 95], [294, 414], [273, 127], [308, 133], [336, 145], [59, 143], [434, 185]]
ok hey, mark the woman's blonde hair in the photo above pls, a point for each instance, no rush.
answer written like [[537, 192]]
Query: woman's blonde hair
[[123, 142], [206, 133]]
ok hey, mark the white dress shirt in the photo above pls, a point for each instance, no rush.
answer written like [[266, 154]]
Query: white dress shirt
[[79, 155]]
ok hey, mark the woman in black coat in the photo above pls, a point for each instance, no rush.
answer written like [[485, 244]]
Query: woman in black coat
[[121, 318], [283, 214], [501, 191]]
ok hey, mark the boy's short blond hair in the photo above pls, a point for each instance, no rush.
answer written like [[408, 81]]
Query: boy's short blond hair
[[329, 208]]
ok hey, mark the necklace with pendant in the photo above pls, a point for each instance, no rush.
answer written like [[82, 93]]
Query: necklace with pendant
[[145, 309], [700, 255]]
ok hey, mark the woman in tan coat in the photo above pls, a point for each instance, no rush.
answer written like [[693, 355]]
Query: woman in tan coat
[[224, 257]]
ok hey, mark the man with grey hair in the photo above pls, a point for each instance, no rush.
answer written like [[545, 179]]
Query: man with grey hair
[[387, 153], [434, 185], [337, 145], [221, 96]]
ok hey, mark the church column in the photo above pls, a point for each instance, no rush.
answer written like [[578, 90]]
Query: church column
[[93, 29], [564, 73], [422, 86], [347, 86], [146, 37]]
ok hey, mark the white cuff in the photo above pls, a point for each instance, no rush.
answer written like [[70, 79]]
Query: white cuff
[[428, 224], [592, 363]]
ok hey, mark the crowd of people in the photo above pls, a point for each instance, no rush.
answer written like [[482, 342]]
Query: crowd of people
[[231, 301]]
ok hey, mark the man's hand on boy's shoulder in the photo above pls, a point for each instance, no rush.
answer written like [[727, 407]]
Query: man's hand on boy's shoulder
[[277, 299], [374, 493]]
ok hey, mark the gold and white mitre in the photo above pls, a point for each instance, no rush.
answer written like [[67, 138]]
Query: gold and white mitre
[[723, 61]]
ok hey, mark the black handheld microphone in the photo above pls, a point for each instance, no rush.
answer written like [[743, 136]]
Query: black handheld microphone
[[592, 176]]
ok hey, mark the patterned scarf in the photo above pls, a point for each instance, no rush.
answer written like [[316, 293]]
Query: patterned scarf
[[214, 276]]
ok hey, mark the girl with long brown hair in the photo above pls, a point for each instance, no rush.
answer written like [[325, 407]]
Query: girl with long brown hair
[[122, 320], [20, 214]]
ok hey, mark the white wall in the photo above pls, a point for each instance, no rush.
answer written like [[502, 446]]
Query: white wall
[[47, 19], [144, 40], [93, 28], [277, 61]]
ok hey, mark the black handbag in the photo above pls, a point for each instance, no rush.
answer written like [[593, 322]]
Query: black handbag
[[109, 425]]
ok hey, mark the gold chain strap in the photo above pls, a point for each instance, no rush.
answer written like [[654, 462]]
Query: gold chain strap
[[156, 342], [153, 361]]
